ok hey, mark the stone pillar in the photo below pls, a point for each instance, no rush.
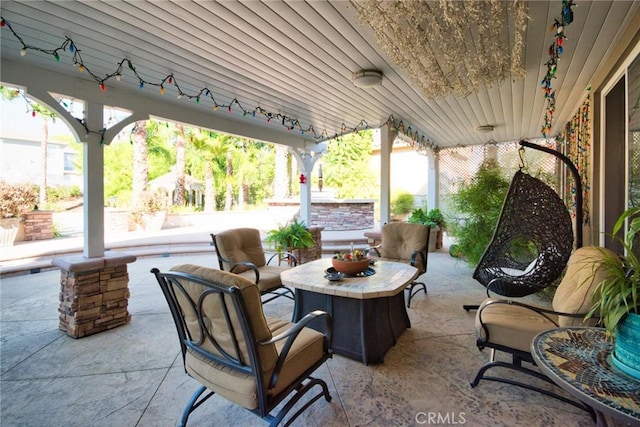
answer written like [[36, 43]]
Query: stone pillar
[[38, 225], [94, 293]]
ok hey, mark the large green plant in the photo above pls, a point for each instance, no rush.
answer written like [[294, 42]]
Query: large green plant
[[617, 295], [478, 204]]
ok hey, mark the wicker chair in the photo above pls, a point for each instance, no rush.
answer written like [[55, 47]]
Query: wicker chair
[[240, 251], [233, 350]]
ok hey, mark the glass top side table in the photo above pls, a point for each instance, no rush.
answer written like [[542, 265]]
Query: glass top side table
[[579, 361]]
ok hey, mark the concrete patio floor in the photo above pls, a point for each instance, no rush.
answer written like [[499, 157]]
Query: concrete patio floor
[[133, 375]]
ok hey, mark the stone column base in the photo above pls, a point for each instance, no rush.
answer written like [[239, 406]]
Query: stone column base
[[94, 293]]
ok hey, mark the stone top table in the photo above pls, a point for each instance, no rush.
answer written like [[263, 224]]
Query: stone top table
[[369, 313], [389, 279]]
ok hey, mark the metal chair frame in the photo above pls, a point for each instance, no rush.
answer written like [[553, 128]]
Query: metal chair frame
[[518, 356], [170, 283]]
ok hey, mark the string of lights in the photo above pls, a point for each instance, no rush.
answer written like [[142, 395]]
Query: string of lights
[[419, 141], [555, 50]]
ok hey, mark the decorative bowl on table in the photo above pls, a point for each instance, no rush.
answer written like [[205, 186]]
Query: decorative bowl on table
[[350, 264]]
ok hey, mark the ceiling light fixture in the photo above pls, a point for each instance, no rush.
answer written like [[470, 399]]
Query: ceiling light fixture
[[366, 78], [484, 128]]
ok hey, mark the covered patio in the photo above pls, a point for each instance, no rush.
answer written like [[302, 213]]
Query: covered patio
[[133, 376], [299, 74]]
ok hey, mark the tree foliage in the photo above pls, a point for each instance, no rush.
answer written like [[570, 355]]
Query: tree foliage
[[346, 166]]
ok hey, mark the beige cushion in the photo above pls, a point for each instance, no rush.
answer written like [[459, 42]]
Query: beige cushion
[[510, 325], [584, 273], [233, 385], [241, 245], [400, 240]]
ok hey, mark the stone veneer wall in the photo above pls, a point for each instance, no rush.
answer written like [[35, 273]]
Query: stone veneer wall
[[336, 215], [38, 225], [343, 215]]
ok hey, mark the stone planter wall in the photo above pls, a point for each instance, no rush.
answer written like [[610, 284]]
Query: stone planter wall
[[116, 220], [38, 225], [309, 254]]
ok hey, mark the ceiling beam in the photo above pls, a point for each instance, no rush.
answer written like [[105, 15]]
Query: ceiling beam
[[14, 73]]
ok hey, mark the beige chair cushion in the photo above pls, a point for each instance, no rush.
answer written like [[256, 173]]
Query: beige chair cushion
[[575, 292], [510, 325], [233, 385], [241, 245], [401, 239], [269, 276]]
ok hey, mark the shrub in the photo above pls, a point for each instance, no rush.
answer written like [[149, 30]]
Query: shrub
[[55, 194], [402, 204], [15, 199]]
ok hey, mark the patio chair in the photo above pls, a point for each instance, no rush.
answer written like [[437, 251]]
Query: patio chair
[[232, 349], [510, 326], [407, 243], [240, 251]]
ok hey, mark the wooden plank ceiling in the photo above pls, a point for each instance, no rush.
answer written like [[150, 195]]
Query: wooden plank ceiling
[[296, 58]]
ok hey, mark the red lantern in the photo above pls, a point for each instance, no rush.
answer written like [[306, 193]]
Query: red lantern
[[303, 179]]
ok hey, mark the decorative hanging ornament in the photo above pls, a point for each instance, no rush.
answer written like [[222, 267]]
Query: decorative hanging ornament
[[303, 179]]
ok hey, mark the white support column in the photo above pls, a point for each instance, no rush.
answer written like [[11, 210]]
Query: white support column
[[93, 175], [433, 181], [306, 160], [387, 136]]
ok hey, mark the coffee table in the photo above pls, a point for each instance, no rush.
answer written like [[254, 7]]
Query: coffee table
[[369, 313]]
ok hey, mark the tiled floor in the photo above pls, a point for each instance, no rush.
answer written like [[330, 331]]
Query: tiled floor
[[132, 375]]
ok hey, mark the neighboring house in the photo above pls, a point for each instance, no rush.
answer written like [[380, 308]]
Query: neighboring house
[[20, 148]]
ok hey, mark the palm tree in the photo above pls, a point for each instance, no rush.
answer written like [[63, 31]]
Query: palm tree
[[282, 174], [178, 192], [140, 160]]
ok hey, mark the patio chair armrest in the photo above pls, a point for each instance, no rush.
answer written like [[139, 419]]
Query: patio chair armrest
[[285, 255], [291, 334], [249, 264], [415, 255]]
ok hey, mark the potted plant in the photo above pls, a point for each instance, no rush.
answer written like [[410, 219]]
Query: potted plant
[[434, 219], [15, 199], [616, 298], [290, 237]]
